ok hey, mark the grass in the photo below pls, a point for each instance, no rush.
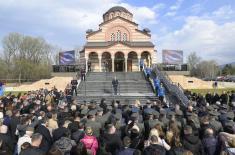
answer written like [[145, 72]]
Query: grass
[[204, 91], [15, 92]]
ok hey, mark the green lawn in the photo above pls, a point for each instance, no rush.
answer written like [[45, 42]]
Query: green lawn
[[204, 91], [15, 92]]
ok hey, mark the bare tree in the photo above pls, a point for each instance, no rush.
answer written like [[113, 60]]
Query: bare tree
[[26, 56], [193, 60]]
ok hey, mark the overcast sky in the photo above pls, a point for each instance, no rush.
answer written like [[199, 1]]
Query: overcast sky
[[204, 26]]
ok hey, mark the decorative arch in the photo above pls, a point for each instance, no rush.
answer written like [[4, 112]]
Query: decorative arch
[[119, 62], [146, 57], [132, 62], [94, 60], [106, 62]]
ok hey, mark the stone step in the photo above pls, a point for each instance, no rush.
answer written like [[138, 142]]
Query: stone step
[[132, 85]]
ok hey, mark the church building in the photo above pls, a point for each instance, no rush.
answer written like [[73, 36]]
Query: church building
[[118, 45]]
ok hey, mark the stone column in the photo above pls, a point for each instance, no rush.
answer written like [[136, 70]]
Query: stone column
[[100, 67], [86, 60], [112, 57], [126, 57], [139, 57], [148, 60]]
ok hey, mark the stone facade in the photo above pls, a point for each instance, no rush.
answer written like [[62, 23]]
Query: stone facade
[[118, 43]]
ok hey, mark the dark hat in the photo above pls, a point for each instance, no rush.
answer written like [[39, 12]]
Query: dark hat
[[92, 112], [189, 113], [230, 115], [209, 108], [223, 111], [84, 111], [215, 106], [178, 113], [155, 113], [223, 106], [118, 116], [134, 116], [134, 110], [148, 111], [214, 113], [163, 111], [118, 111]]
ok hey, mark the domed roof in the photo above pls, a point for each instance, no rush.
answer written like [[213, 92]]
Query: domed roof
[[118, 8]]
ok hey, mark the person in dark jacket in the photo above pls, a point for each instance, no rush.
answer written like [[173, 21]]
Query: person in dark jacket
[[6, 139], [59, 132], [126, 150], [111, 139], [154, 148], [34, 149], [210, 143], [192, 142], [15, 120], [74, 84], [78, 134], [46, 137]]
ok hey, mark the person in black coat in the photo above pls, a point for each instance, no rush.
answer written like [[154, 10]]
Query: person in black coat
[[7, 142], [59, 132], [192, 142], [34, 149], [154, 148], [111, 139], [15, 120], [46, 136], [210, 143]]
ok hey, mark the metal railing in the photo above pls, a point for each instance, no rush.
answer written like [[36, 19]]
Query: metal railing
[[174, 88]]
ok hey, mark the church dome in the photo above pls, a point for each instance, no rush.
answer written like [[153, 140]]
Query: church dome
[[117, 11], [117, 8]]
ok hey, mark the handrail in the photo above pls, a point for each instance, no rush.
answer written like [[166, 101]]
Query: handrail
[[175, 89]]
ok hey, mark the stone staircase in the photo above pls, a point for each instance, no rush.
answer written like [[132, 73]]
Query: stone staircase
[[132, 86]]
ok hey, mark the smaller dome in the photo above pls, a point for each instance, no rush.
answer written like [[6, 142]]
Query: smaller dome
[[146, 30], [89, 31]]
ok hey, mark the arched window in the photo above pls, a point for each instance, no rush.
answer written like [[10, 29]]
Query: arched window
[[124, 38], [118, 35], [112, 37]]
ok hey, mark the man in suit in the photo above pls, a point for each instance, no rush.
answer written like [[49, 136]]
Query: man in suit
[[74, 84], [115, 85], [46, 136]]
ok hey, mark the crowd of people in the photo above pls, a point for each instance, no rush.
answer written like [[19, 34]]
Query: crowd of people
[[47, 123]]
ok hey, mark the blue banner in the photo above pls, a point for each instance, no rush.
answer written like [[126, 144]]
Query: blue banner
[[1, 89], [67, 58]]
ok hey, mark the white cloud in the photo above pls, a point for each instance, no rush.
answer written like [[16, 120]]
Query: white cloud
[[177, 5], [209, 39], [224, 12], [174, 8], [158, 6], [142, 14], [56, 20], [196, 8]]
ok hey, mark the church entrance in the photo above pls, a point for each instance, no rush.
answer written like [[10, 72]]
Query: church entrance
[[119, 62], [132, 62]]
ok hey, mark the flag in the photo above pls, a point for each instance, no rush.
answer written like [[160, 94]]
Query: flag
[[1, 89], [67, 58]]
